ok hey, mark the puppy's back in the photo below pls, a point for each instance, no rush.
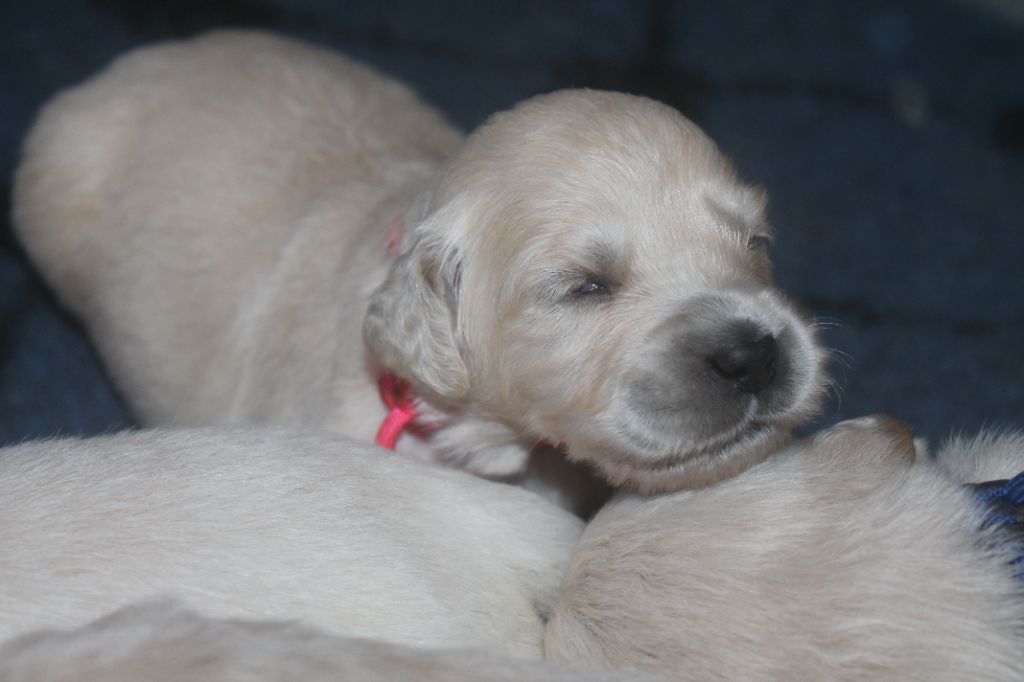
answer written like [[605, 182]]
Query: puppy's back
[[275, 524], [162, 198], [234, 127]]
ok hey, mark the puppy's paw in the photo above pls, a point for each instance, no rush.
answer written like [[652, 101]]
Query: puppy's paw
[[483, 447], [875, 439]]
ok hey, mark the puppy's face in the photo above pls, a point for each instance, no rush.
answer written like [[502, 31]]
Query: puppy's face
[[601, 279]]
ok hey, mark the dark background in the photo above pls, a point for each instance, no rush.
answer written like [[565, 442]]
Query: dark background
[[890, 136]]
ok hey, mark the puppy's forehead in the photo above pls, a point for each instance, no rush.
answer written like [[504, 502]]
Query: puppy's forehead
[[603, 178], [636, 217], [627, 159], [582, 136]]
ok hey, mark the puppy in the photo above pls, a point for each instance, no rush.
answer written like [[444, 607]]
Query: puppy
[[585, 269], [161, 642], [276, 524], [837, 559]]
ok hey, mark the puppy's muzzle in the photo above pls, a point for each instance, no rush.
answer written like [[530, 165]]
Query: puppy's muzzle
[[724, 361], [712, 388]]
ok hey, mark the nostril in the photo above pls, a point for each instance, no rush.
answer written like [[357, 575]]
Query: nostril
[[749, 363]]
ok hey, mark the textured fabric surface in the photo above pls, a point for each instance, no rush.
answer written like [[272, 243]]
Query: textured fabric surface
[[890, 136], [1005, 501]]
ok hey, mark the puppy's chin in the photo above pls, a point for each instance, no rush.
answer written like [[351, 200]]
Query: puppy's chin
[[647, 470]]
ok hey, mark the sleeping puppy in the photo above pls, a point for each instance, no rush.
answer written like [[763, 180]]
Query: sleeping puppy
[[161, 642], [276, 524], [257, 230], [837, 559]]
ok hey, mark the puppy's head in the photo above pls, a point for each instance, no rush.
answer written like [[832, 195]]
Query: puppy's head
[[589, 269]]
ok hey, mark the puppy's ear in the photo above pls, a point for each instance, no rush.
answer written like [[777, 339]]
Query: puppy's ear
[[410, 323]]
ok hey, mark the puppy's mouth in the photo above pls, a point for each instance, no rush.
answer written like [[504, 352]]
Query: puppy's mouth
[[649, 467]]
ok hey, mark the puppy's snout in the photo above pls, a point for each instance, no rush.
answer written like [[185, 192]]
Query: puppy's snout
[[747, 361]]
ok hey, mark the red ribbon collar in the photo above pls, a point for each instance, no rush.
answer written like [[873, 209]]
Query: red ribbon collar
[[397, 394]]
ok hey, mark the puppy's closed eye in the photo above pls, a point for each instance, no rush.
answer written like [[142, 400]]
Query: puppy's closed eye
[[575, 285], [759, 242], [591, 288]]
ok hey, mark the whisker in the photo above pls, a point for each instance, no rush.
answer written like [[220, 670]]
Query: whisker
[[836, 389], [841, 358], [817, 321]]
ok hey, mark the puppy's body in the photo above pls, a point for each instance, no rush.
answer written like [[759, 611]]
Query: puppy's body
[[585, 269], [275, 524], [164, 643], [836, 559], [217, 211]]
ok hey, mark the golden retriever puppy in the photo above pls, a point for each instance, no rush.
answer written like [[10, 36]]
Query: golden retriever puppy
[[162, 642], [276, 524], [257, 230], [836, 559]]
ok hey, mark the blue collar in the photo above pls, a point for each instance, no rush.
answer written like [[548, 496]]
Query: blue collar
[[1005, 500]]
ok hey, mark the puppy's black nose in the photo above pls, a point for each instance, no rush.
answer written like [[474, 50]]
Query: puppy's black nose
[[748, 362]]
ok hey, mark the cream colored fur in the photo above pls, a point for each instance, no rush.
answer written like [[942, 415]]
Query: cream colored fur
[[988, 456], [276, 524], [217, 212], [836, 559], [165, 643]]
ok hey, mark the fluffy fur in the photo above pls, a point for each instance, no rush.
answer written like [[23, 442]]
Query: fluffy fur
[[276, 524], [988, 456], [585, 269], [837, 559], [161, 642]]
